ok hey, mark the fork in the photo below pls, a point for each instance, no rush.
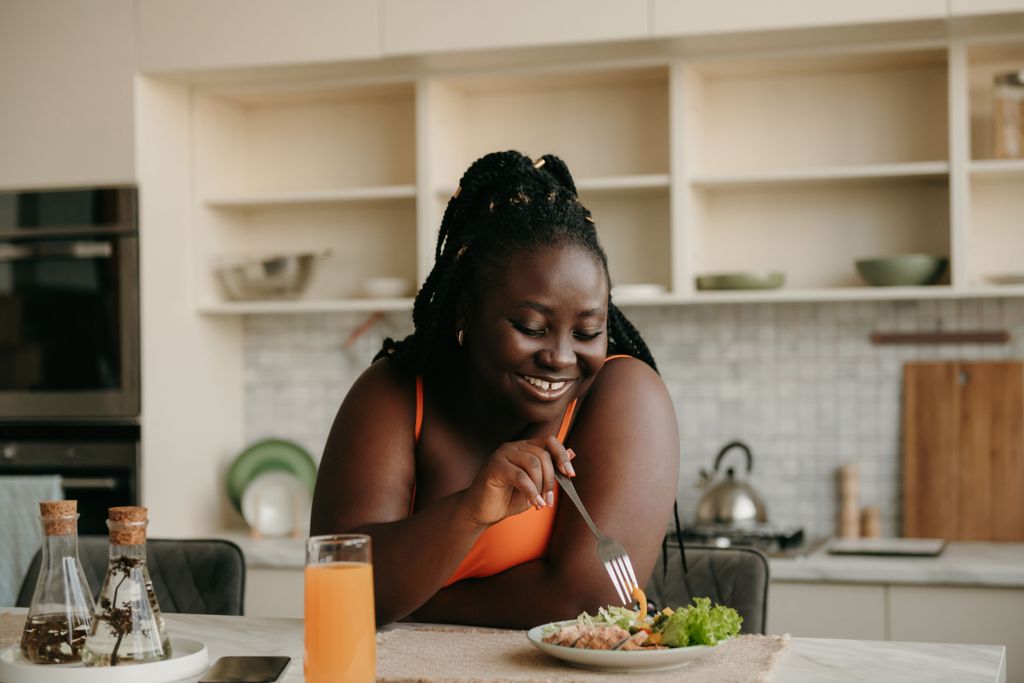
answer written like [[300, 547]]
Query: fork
[[613, 555]]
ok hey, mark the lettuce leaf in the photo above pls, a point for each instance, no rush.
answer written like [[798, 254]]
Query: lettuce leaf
[[700, 624]]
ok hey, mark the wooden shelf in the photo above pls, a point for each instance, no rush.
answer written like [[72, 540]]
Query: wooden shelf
[[926, 169], [827, 294], [996, 167], [338, 196], [305, 306], [624, 183]]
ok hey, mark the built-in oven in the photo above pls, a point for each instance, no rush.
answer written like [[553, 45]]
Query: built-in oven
[[69, 304], [98, 464]]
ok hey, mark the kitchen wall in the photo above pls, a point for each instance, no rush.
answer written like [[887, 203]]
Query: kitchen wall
[[799, 382]]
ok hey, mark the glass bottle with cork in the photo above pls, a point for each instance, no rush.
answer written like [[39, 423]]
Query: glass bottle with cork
[[127, 625], [62, 605]]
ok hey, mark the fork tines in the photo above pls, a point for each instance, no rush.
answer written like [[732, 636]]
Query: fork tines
[[620, 569]]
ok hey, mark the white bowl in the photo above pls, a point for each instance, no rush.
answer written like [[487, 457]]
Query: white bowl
[[276, 503], [387, 287]]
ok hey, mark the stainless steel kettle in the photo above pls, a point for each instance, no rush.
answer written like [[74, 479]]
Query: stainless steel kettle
[[729, 501]]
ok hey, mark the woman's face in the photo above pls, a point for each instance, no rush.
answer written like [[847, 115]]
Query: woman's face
[[536, 340]]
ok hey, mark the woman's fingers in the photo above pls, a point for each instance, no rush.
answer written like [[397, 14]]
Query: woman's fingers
[[561, 455], [531, 461]]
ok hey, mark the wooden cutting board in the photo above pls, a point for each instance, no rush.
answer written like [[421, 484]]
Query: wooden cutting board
[[963, 450]]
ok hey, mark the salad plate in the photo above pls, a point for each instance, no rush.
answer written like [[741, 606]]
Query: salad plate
[[188, 658], [616, 660]]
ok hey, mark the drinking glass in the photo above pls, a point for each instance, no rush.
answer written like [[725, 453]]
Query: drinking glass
[[339, 614]]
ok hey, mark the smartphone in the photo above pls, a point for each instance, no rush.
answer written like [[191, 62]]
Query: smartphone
[[246, 670]]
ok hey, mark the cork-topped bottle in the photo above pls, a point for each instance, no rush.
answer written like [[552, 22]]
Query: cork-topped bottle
[[127, 627], [62, 605]]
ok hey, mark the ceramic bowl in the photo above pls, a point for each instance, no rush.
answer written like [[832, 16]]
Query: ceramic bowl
[[740, 280], [906, 270], [387, 287], [282, 276]]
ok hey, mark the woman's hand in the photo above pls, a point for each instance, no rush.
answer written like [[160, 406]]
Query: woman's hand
[[518, 475]]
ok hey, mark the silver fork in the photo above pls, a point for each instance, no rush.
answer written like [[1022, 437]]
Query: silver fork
[[612, 554]]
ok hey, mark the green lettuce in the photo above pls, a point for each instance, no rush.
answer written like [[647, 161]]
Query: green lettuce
[[700, 624]]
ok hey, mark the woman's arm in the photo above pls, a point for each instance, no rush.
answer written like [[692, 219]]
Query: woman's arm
[[627, 448]]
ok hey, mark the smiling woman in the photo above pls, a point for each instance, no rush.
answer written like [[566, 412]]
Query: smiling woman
[[445, 449]]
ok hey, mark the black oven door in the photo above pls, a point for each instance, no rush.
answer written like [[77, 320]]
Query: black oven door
[[69, 320]]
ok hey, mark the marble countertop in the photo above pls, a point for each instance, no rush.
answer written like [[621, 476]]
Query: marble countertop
[[808, 659], [967, 563]]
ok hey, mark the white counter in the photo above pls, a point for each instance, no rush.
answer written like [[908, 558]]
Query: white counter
[[964, 563]]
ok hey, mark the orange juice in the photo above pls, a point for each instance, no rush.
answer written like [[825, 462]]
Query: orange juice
[[340, 625]]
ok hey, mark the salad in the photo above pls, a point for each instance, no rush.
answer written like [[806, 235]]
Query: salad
[[622, 628]]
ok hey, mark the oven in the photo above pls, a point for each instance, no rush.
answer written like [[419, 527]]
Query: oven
[[98, 464], [69, 304]]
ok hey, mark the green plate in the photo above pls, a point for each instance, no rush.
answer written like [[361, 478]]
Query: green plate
[[264, 456], [715, 281]]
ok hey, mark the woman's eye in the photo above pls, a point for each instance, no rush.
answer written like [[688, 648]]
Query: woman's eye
[[528, 330], [587, 336]]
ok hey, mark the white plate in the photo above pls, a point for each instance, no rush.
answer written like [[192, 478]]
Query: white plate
[[618, 660], [276, 503], [188, 658]]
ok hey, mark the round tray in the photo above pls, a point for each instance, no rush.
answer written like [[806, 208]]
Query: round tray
[[265, 456], [189, 658]]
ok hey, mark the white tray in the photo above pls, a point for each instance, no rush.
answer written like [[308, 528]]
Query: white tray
[[189, 658]]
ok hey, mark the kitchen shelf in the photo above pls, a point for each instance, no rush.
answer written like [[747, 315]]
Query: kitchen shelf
[[305, 306], [337, 196], [650, 181], [926, 169], [828, 294], [996, 167]]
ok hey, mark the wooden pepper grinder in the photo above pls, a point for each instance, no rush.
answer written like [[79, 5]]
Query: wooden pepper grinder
[[849, 507]]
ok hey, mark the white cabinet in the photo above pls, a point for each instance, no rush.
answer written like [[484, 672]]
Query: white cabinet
[[694, 17], [181, 35], [966, 8], [66, 74], [274, 592], [827, 610], [414, 26]]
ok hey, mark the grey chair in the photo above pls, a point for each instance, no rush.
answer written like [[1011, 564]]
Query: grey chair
[[735, 577], [190, 576]]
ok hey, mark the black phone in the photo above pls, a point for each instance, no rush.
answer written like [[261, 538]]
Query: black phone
[[246, 670]]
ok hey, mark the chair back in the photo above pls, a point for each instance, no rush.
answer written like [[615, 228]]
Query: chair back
[[735, 577], [190, 576]]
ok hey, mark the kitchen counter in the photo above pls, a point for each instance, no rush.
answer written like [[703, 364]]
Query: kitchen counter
[[966, 563]]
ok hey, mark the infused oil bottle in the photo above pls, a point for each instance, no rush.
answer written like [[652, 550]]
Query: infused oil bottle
[[127, 627]]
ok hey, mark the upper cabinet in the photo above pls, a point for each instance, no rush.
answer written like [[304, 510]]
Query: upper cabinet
[[414, 26], [66, 74], [964, 8], [694, 17], [182, 35]]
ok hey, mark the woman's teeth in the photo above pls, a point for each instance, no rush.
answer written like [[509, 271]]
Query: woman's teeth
[[543, 384]]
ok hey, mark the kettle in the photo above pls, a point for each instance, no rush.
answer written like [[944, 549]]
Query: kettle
[[730, 502]]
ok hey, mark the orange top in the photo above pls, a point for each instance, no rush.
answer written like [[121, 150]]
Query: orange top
[[516, 539]]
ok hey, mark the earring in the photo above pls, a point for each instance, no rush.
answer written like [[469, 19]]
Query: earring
[[459, 336]]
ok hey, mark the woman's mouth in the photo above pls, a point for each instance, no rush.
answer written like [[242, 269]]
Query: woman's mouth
[[545, 389]]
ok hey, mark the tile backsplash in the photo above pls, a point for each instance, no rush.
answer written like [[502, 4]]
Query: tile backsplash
[[800, 383]]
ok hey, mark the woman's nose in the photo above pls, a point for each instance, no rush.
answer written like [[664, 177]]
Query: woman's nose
[[558, 353]]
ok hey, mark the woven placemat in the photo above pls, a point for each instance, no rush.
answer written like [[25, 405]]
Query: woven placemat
[[432, 655], [11, 626]]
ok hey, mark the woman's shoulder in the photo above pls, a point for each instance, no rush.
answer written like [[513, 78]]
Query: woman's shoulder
[[382, 386], [626, 386]]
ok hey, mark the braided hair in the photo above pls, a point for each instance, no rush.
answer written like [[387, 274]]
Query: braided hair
[[505, 203]]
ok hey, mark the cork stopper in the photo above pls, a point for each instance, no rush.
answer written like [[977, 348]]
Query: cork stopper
[[60, 517], [127, 525]]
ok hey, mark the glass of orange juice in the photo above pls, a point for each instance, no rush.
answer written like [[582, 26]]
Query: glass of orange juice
[[340, 625]]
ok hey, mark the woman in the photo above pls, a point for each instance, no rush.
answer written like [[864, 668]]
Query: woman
[[444, 449]]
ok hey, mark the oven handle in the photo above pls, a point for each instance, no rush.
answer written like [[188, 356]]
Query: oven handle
[[94, 483], [80, 250]]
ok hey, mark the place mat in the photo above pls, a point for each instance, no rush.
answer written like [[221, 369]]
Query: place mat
[[430, 654], [11, 627]]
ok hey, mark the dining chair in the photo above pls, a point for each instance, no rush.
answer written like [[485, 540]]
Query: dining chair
[[190, 576], [736, 577]]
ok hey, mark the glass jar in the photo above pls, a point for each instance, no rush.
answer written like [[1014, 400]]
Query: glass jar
[[61, 610], [127, 626], [1008, 115]]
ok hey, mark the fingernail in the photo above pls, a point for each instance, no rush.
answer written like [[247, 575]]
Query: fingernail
[[572, 453], [572, 472], [539, 501], [551, 497]]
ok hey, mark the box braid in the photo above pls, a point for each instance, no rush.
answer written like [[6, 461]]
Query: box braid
[[505, 203]]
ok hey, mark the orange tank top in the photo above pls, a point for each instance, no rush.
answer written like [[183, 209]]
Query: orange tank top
[[516, 539]]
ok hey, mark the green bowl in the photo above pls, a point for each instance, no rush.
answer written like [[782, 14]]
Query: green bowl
[[264, 456], [713, 281], [906, 270]]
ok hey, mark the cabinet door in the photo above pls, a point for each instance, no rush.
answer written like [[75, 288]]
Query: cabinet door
[[963, 451], [827, 610], [946, 614], [273, 592], [694, 17], [209, 34], [964, 8], [66, 74], [412, 26]]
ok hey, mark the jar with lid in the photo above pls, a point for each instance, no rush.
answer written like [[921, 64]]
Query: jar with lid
[[1008, 115], [61, 610], [127, 626]]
